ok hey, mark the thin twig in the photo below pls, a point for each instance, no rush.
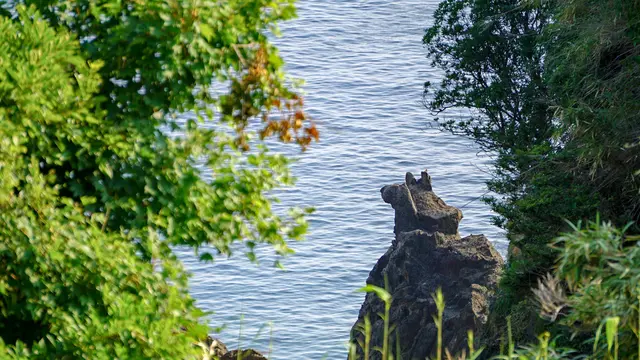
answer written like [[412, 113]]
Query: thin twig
[[240, 57], [106, 219]]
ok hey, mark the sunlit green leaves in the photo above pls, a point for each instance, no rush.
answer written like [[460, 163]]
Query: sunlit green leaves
[[95, 185], [599, 264], [114, 151]]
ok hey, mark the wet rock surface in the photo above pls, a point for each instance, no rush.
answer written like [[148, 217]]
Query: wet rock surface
[[427, 254]]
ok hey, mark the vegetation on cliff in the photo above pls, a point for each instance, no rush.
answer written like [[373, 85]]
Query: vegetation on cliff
[[554, 86]]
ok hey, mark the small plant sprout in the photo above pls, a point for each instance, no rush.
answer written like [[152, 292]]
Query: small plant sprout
[[439, 300], [385, 296]]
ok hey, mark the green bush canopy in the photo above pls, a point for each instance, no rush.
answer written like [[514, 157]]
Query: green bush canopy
[[553, 88], [95, 188]]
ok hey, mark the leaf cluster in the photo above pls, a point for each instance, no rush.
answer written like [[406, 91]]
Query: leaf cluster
[[100, 179], [553, 90]]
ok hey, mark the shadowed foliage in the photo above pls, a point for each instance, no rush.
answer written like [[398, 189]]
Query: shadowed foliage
[[553, 92]]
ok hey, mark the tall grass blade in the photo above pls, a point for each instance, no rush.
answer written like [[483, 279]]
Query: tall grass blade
[[612, 334], [439, 300]]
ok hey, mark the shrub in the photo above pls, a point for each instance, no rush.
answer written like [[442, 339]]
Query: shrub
[[552, 86], [96, 189]]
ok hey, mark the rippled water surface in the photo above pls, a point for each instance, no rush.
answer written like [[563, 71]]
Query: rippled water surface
[[364, 67]]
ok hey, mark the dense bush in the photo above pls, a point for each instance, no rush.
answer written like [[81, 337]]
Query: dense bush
[[492, 53], [599, 266], [595, 292], [95, 186], [68, 287], [554, 88]]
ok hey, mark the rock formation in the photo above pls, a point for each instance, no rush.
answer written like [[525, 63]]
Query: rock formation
[[214, 349], [426, 254], [249, 354]]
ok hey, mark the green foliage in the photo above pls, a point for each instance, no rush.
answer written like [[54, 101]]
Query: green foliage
[[544, 349], [69, 288], [491, 53], [554, 89], [593, 76], [533, 218], [155, 62], [594, 291], [600, 267], [438, 298], [95, 188], [592, 73], [386, 352]]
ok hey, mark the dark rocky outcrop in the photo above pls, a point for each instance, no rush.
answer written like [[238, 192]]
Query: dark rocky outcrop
[[215, 349], [212, 348], [249, 354], [426, 254]]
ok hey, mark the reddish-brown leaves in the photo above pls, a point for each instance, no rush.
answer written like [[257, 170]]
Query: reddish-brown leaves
[[258, 92]]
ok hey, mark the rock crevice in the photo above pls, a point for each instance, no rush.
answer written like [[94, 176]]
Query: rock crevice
[[427, 254]]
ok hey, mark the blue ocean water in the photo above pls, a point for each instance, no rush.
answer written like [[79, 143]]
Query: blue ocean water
[[364, 66]]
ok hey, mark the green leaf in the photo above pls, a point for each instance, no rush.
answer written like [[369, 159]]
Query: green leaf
[[88, 200], [611, 330], [89, 96], [206, 257], [206, 31], [381, 293], [106, 169]]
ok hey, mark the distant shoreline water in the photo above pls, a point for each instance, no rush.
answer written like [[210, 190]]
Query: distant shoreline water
[[364, 67]]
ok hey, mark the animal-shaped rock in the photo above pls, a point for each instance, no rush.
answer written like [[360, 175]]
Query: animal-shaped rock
[[418, 207], [427, 254]]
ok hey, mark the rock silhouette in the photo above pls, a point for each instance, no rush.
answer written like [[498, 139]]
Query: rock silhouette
[[426, 254]]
